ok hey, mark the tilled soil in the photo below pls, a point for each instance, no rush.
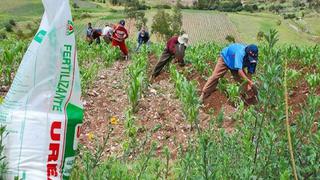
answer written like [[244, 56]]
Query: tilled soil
[[158, 109], [107, 99]]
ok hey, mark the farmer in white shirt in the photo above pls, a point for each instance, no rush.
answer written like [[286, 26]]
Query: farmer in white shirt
[[107, 33]]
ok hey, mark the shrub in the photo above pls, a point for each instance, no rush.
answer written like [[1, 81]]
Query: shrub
[[248, 8], [260, 35], [161, 25], [230, 39], [3, 35], [289, 16], [12, 22], [75, 5], [162, 6], [20, 34], [275, 8], [29, 26], [8, 27], [85, 15], [113, 10]]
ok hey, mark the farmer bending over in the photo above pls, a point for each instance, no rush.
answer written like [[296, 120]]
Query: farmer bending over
[[175, 47], [143, 38], [89, 33], [96, 33], [235, 58], [119, 36], [107, 33]]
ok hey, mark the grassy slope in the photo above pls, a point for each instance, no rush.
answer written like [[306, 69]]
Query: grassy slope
[[250, 24], [20, 10], [313, 23]]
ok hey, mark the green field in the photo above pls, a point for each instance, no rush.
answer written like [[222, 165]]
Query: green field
[[250, 24], [136, 126], [201, 25]]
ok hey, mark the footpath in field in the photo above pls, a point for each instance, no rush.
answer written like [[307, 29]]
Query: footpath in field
[[106, 100]]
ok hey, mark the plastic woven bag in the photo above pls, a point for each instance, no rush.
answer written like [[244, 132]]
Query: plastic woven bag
[[42, 110]]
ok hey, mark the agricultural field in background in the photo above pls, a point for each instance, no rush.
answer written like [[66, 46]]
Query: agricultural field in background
[[140, 129], [204, 27], [249, 25], [201, 25]]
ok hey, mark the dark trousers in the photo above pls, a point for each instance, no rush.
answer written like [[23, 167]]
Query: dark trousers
[[164, 59], [91, 39], [167, 56]]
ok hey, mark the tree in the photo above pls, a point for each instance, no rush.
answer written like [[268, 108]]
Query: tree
[[160, 25], [205, 4], [230, 39], [296, 3], [132, 11], [176, 22], [261, 35], [166, 25]]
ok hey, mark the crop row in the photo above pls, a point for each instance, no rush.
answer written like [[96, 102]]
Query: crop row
[[186, 91]]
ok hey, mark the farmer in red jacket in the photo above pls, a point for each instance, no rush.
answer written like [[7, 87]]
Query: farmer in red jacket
[[175, 47], [119, 36]]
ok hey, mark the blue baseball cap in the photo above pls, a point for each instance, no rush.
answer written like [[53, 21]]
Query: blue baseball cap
[[252, 51]]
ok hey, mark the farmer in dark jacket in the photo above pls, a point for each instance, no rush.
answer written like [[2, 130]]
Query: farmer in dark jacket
[[175, 47], [89, 33], [143, 38], [93, 34], [235, 57], [96, 33]]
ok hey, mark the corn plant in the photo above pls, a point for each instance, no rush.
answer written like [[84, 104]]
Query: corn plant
[[131, 131], [138, 77], [233, 92], [306, 139], [109, 55], [89, 58], [157, 48], [90, 165], [11, 58], [88, 75], [292, 76], [187, 93], [200, 55], [313, 80], [222, 84]]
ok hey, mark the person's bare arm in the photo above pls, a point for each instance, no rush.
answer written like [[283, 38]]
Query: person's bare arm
[[244, 76]]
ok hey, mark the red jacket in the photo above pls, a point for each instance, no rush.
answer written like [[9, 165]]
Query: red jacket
[[120, 33], [171, 47], [171, 44]]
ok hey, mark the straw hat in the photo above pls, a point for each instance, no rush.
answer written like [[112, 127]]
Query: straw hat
[[183, 39]]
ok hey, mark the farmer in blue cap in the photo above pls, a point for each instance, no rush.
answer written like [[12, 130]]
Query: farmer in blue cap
[[143, 38], [235, 57]]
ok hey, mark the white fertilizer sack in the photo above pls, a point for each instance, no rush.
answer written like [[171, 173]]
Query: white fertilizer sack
[[42, 111]]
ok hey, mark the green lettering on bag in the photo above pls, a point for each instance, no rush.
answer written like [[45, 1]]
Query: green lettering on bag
[[40, 35]]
